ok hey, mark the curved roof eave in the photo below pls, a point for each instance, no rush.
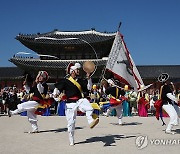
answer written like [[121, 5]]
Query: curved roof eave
[[84, 32], [52, 64], [68, 33]]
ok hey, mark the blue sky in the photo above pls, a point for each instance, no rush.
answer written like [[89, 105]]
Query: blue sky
[[151, 28]]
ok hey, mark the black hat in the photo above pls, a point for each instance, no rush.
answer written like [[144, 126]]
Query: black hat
[[163, 77]]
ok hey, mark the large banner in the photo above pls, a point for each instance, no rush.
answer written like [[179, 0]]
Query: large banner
[[121, 64]]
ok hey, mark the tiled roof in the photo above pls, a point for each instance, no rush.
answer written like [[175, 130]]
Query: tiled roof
[[153, 71], [58, 37], [11, 72], [50, 64]]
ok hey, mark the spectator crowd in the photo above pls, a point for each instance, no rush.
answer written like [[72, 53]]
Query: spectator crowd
[[139, 103]]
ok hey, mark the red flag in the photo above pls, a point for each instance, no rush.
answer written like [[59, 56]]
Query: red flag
[[121, 64]]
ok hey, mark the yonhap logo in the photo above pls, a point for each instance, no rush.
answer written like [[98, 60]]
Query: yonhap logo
[[141, 142], [164, 142]]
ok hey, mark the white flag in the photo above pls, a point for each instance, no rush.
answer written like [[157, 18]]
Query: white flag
[[121, 64]]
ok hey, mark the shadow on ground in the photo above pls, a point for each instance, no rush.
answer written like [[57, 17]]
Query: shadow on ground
[[59, 130], [177, 131], [108, 140]]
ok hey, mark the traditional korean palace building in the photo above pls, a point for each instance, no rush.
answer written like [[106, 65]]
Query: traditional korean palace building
[[57, 49]]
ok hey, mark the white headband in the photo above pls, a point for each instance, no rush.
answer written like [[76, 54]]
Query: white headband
[[72, 68]]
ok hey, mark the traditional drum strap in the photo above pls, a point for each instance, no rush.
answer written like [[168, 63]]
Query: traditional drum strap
[[116, 97], [117, 91], [160, 93], [77, 85]]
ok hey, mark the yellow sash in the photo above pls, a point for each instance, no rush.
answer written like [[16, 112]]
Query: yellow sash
[[77, 85], [95, 106]]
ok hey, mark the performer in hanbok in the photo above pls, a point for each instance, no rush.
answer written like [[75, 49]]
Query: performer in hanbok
[[39, 90], [143, 103], [126, 104], [116, 97], [76, 91], [166, 95], [132, 98], [95, 96]]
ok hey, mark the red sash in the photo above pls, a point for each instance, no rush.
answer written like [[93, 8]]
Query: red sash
[[74, 98], [158, 105], [114, 102], [45, 103]]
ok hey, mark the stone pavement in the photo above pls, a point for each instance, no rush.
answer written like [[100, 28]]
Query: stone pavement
[[137, 135]]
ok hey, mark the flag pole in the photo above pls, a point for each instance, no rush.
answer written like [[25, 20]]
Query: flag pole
[[119, 26], [104, 69]]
